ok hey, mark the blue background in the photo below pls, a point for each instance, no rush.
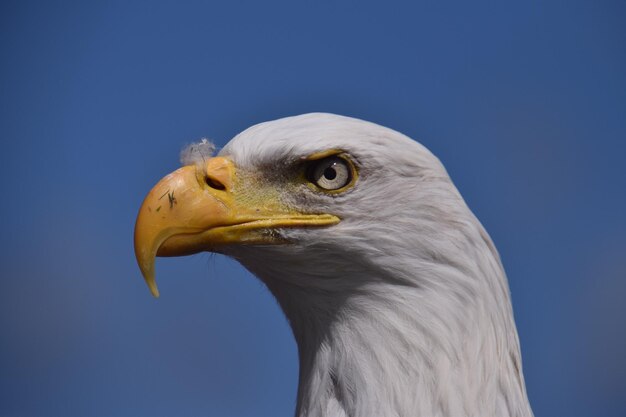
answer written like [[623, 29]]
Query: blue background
[[524, 102]]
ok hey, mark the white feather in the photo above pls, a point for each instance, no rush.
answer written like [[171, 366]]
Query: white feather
[[197, 153], [401, 309]]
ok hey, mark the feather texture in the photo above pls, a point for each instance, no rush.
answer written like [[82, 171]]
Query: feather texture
[[401, 309]]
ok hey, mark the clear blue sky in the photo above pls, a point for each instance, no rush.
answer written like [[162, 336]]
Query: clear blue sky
[[524, 102]]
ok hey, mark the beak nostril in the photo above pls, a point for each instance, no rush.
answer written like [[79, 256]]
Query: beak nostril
[[214, 183]]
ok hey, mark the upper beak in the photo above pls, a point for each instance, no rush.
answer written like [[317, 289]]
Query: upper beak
[[195, 209]]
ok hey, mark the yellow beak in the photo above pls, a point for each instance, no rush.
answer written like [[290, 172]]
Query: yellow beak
[[196, 209]]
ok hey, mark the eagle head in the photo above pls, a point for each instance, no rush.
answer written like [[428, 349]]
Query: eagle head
[[394, 290]]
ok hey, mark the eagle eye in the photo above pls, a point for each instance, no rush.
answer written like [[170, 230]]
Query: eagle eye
[[330, 174]]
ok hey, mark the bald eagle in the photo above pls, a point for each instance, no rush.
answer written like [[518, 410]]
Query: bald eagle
[[394, 291]]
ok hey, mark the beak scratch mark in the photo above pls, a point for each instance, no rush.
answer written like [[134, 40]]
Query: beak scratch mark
[[172, 199]]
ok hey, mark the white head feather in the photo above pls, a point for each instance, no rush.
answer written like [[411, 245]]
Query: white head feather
[[401, 309]]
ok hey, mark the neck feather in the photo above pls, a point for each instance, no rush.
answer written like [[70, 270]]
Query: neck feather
[[359, 357], [432, 338]]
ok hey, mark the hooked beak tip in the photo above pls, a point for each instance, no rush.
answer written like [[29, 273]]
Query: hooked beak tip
[[153, 287], [147, 270]]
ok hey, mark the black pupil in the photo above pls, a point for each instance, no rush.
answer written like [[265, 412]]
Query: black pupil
[[330, 173]]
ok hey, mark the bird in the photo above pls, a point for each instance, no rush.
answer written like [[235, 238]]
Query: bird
[[394, 291]]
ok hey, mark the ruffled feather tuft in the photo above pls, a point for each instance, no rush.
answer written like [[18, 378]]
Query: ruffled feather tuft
[[197, 153]]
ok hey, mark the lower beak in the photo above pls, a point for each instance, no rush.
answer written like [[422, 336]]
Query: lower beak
[[195, 209]]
